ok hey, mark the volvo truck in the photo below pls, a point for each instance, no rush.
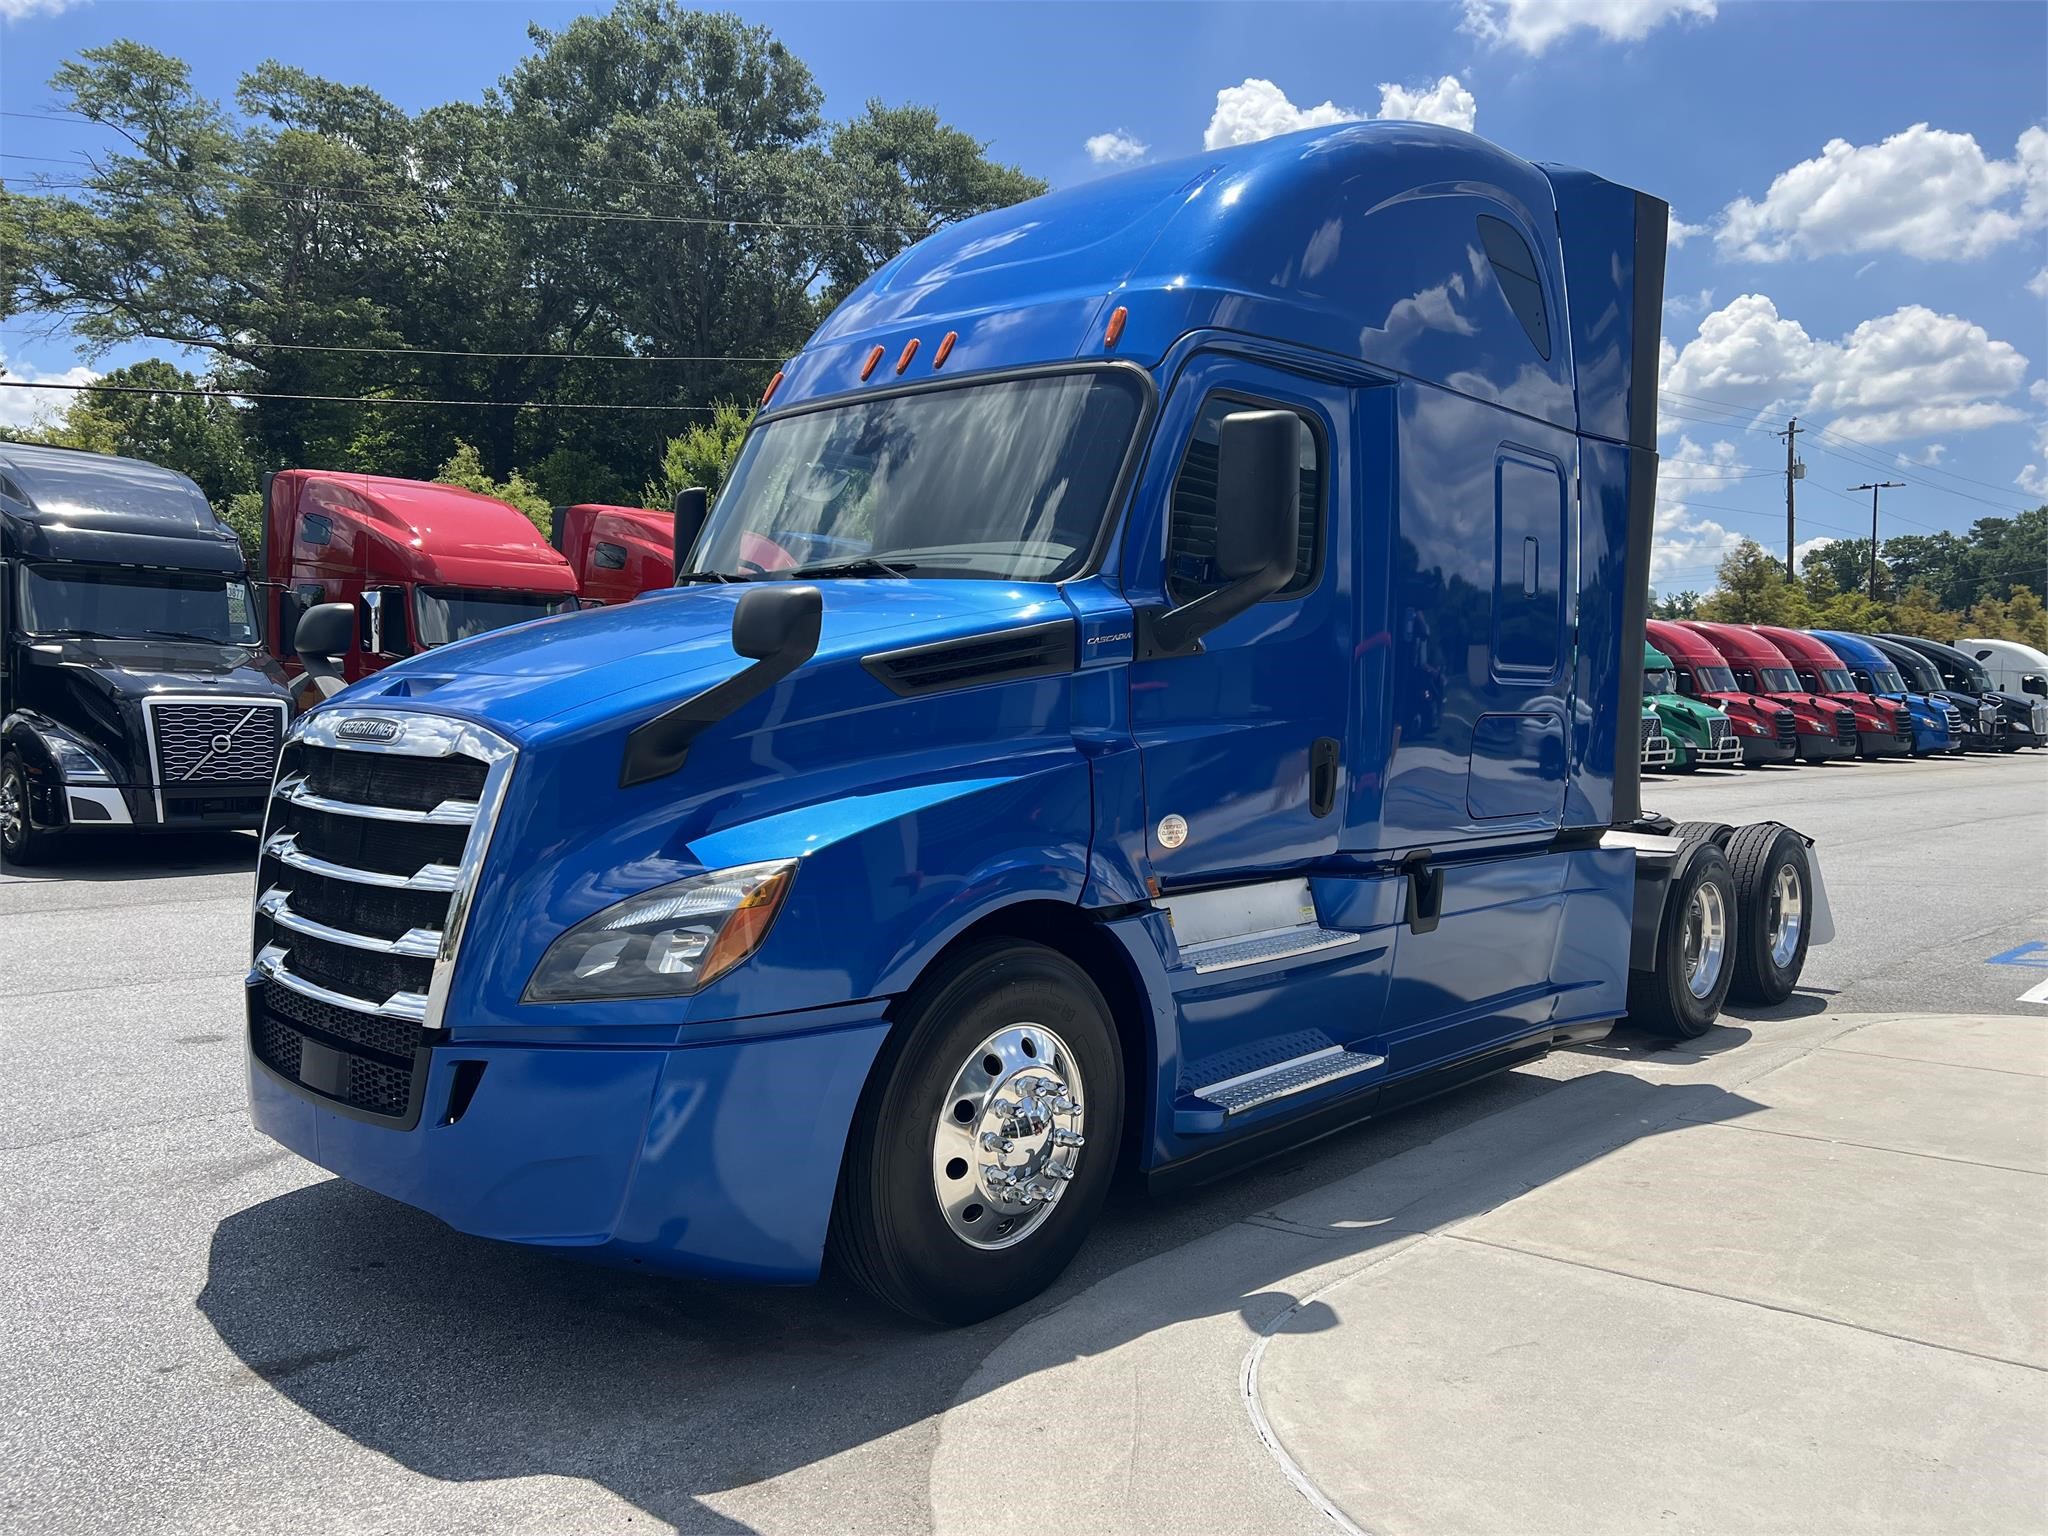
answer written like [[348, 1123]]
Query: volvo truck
[[421, 564], [1937, 724], [1764, 727], [134, 692], [1882, 727], [1700, 736], [1210, 722]]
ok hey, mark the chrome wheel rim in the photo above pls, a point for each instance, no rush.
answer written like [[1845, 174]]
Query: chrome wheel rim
[[1705, 939], [1787, 915], [1008, 1136], [12, 811]]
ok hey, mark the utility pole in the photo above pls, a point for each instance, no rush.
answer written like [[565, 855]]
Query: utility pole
[[1794, 470], [1881, 485]]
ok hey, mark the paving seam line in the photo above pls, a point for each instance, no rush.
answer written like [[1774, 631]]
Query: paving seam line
[[140, 981], [110, 1130], [1741, 1301], [1929, 1061], [1248, 1371], [1861, 1146]]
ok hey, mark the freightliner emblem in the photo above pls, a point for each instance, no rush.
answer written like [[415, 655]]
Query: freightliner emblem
[[367, 730]]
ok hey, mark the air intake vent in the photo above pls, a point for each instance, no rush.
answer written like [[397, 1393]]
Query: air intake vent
[[1038, 650]]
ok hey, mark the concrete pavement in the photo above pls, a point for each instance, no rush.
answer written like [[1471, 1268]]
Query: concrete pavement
[[1788, 1282]]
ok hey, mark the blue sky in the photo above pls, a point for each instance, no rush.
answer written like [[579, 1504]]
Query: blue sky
[[1879, 287]]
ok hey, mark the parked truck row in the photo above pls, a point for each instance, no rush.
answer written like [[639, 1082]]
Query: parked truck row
[[1733, 694]]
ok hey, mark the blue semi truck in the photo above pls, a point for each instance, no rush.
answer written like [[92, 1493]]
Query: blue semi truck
[[1161, 682]]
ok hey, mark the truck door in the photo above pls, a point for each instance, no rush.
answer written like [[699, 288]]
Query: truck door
[[1241, 740]]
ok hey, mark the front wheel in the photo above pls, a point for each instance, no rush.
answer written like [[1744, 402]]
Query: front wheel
[[1682, 993], [19, 839], [985, 1142]]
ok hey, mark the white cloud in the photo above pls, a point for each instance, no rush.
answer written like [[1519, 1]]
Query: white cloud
[[1259, 109], [21, 10], [1912, 373], [2037, 285], [1680, 231], [1533, 25], [1447, 102], [1687, 544], [1690, 303], [1931, 456], [1806, 547], [1925, 192], [2034, 479], [29, 407], [1116, 148]]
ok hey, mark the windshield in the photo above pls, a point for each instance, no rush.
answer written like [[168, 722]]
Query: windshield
[[1975, 678], [442, 614], [1836, 680], [123, 602], [1715, 679], [1886, 680], [1921, 671], [1778, 679], [1009, 480], [1659, 680]]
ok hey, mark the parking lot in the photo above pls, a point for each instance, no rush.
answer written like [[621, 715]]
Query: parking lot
[[201, 1331]]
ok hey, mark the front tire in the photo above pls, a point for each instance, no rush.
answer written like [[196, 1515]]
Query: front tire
[[1681, 995], [986, 1139], [1774, 896], [20, 839]]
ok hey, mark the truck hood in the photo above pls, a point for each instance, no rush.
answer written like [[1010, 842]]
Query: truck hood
[[1751, 703], [586, 670], [1677, 706], [135, 669]]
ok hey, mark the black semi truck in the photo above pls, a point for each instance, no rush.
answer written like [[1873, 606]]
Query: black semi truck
[[134, 692]]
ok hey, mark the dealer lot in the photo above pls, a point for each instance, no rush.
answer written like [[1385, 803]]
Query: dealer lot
[[201, 1331]]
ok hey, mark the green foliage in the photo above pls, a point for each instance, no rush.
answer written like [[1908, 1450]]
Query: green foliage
[[197, 437], [465, 467], [1918, 613], [703, 455], [243, 512], [1755, 590], [310, 212], [1680, 605]]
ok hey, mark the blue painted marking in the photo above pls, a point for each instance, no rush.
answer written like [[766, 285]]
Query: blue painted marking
[[2032, 953]]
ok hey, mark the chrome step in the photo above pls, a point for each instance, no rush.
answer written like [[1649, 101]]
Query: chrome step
[[1235, 1095], [1258, 948]]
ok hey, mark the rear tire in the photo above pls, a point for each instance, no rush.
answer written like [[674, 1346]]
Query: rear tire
[[1681, 995], [1702, 831], [20, 839], [1774, 897], [915, 1187]]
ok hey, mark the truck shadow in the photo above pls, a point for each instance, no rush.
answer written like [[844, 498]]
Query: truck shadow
[[140, 856], [464, 1360]]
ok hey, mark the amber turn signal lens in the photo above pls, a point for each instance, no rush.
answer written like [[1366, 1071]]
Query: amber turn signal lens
[[747, 927], [909, 351], [867, 368], [945, 349], [1117, 317]]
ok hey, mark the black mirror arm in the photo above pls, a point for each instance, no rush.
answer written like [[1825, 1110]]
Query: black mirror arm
[[1178, 631]]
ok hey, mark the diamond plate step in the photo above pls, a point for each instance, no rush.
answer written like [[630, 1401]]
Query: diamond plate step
[[1257, 948], [1235, 1095]]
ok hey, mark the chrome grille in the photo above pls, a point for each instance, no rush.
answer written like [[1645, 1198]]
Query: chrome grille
[[1845, 723], [1788, 728], [1953, 718], [1718, 731], [378, 826], [203, 743]]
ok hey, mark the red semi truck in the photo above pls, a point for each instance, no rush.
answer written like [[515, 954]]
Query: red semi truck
[[1765, 727], [422, 564], [1884, 727], [1826, 727], [616, 552]]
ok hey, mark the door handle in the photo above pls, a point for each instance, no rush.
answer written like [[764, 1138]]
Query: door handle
[[1322, 775]]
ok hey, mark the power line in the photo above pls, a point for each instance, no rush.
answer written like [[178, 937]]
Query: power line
[[581, 357], [245, 394]]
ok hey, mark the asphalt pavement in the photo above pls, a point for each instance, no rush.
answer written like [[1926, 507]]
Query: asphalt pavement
[[198, 1331]]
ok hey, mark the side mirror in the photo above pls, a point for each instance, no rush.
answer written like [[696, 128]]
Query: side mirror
[[1258, 528], [775, 627], [692, 506], [321, 640], [383, 631]]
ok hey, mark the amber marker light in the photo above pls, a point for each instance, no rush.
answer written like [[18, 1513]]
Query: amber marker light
[[909, 351], [945, 349], [867, 368], [1117, 317], [773, 385]]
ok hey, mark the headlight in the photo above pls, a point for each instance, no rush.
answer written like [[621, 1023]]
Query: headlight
[[666, 942], [76, 764]]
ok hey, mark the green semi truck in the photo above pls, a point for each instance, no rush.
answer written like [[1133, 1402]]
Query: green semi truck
[[1696, 735]]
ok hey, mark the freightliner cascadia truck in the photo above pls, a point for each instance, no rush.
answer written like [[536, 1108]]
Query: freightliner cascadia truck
[[1763, 726], [1983, 721], [1216, 722], [1700, 735], [422, 564], [1937, 724], [1882, 727], [1825, 728], [134, 692]]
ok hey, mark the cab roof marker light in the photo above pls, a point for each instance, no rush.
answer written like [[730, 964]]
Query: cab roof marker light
[[909, 351], [867, 368], [1117, 317], [945, 350], [773, 385]]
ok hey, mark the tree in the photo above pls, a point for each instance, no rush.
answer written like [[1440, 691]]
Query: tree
[[703, 455], [196, 436], [1943, 563], [1754, 590], [1847, 562], [1682, 605], [1917, 613], [2026, 619]]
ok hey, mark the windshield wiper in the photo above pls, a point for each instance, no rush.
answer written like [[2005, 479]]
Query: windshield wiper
[[181, 634], [859, 565], [695, 576]]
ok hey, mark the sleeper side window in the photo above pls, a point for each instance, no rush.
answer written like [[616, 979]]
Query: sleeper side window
[[316, 529], [609, 557], [1521, 280], [1191, 529]]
